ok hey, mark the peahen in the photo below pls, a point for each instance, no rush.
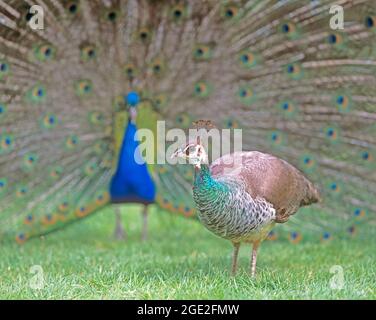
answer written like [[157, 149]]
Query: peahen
[[242, 195], [275, 69]]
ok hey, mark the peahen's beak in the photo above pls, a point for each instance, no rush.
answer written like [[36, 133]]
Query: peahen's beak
[[177, 154]]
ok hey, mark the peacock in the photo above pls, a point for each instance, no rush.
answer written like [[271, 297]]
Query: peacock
[[242, 195], [275, 69], [137, 187]]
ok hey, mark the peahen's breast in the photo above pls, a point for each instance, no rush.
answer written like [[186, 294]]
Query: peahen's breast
[[231, 213]]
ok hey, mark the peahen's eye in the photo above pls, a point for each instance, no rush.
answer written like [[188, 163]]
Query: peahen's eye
[[191, 150]]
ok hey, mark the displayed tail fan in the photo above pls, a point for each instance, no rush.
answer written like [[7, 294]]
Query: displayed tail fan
[[275, 69]]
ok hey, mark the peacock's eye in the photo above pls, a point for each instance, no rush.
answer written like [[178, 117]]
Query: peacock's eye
[[72, 8], [28, 16], [112, 16]]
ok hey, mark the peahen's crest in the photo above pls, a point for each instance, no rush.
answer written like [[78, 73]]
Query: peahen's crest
[[275, 69]]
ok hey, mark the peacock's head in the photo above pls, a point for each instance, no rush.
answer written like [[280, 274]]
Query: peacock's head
[[193, 152], [132, 99]]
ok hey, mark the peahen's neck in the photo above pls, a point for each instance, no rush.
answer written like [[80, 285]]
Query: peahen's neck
[[202, 175], [206, 186]]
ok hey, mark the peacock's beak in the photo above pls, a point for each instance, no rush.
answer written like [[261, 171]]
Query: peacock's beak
[[132, 114]]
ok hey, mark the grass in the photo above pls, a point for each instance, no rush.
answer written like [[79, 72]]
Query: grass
[[181, 260]]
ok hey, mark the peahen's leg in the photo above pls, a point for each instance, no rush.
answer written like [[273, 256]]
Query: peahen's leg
[[119, 232], [144, 234], [235, 258], [254, 258]]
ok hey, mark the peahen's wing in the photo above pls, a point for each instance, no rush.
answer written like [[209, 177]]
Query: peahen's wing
[[268, 177]]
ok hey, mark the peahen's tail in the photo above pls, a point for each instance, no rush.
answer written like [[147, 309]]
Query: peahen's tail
[[276, 69]]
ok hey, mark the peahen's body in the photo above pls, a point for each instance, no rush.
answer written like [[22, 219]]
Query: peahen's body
[[228, 210], [242, 195], [274, 68]]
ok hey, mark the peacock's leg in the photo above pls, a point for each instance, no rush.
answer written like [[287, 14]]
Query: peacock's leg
[[144, 234], [235, 258], [119, 232], [254, 258]]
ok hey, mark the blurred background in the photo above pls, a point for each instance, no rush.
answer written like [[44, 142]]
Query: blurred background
[[78, 78]]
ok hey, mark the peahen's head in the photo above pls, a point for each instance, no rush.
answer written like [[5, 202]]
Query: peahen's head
[[193, 152]]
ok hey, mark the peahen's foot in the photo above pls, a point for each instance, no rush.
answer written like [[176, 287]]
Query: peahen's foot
[[254, 259], [235, 258]]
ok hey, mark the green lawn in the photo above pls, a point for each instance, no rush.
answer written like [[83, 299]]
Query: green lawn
[[181, 260]]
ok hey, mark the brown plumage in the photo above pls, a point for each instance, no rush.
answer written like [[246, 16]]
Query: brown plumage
[[241, 196], [270, 178]]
